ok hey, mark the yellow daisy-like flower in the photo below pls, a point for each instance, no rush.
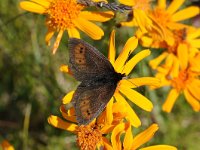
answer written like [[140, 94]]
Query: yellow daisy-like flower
[[67, 15], [92, 135], [168, 19], [125, 86], [6, 145], [183, 79], [140, 17], [186, 46], [133, 143]]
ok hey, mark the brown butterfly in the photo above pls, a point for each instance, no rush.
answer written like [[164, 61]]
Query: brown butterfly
[[98, 80]]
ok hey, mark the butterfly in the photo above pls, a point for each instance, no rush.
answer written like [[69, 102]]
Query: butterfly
[[98, 80]]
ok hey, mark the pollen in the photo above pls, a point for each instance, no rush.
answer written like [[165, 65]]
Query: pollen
[[62, 13], [88, 137]]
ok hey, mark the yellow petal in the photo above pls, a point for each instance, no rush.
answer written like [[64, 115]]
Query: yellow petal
[[32, 7], [49, 35], [59, 123], [183, 55], [145, 40], [97, 16], [133, 61], [162, 4], [64, 68], [68, 97], [112, 51], [57, 42], [159, 147], [194, 89], [136, 98], [67, 114], [129, 47], [127, 2], [186, 13], [73, 32], [106, 144], [89, 28], [115, 137], [128, 139], [195, 43], [169, 102], [132, 116], [150, 81], [144, 136], [127, 24], [192, 101], [193, 33], [155, 62], [174, 6], [109, 113]]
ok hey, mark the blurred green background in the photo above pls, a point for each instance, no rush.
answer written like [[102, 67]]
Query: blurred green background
[[31, 87]]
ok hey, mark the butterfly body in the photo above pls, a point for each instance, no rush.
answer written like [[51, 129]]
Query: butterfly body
[[98, 80]]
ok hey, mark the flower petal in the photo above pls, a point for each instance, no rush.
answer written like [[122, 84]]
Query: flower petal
[[162, 4], [6, 145], [49, 35], [129, 47], [144, 136], [159, 147], [68, 115], [89, 28], [68, 97], [128, 138], [192, 101], [73, 32], [127, 2], [64, 68], [182, 52], [156, 61], [59, 123], [194, 89], [169, 102], [133, 61], [57, 42], [112, 51], [97, 16], [106, 144], [186, 13], [32, 7], [109, 112], [174, 6], [136, 98], [132, 116]]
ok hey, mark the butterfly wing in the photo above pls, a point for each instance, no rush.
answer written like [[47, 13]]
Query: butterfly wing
[[90, 101], [86, 61]]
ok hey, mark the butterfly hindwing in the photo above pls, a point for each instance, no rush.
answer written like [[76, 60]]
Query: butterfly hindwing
[[90, 101], [86, 61]]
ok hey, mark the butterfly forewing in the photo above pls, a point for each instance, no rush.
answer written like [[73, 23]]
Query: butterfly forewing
[[86, 61]]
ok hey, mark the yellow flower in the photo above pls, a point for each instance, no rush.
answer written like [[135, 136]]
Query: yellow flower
[[186, 46], [92, 135], [67, 15], [139, 16], [6, 145], [133, 143], [168, 19], [182, 79], [125, 86]]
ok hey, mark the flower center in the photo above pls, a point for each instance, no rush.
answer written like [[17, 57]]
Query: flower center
[[61, 14], [88, 137], [182, 80], [179, 36], [161, 16]]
